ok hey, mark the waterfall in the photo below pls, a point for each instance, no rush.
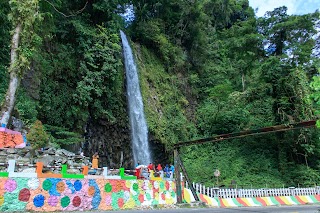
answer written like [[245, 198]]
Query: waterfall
[[139, 130]]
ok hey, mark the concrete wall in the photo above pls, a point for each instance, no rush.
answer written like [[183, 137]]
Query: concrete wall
[[62, 194]]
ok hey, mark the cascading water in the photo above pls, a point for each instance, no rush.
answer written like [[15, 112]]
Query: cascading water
[[139, 130]]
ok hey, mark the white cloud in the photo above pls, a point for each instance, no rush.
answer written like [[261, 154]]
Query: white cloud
[[294, 6]]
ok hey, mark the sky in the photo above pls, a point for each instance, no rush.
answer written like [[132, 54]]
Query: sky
[[296, 7]]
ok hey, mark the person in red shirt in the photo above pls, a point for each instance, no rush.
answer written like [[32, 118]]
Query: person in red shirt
[[159, 167], [150, 167], [138, 173]]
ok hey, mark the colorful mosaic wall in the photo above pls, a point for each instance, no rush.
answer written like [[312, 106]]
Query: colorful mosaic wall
[[57, 194], [255, 201]]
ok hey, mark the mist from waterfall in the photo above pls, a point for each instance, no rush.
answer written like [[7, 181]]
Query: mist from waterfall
[[139, 130]]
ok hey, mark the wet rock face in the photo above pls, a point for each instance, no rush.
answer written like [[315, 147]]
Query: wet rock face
[[112, 142], [159, 152], [31, 82], [17, 124]]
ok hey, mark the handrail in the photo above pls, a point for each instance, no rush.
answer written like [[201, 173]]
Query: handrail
[[245, 193]]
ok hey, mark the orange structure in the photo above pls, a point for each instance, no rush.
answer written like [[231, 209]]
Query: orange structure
[[48, 175], [85, 170]]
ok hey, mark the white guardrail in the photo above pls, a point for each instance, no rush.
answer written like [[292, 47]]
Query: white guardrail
[[267, 192]]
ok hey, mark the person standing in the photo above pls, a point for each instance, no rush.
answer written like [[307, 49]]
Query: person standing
[[138, 170], [171, 170], [159, 167], [159, 170], [150, 167], [166, 171], [95, 162]]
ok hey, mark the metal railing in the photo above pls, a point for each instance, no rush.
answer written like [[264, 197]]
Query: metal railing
[[263, 192]]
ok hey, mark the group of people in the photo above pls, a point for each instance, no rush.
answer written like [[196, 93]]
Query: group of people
[[144, 171]]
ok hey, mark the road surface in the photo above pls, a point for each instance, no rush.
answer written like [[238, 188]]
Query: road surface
[[269, 209]]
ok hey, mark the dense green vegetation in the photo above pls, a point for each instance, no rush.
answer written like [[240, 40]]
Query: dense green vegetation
[[207, 67]]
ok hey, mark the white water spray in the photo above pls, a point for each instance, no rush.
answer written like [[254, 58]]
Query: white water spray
[[139, 130]]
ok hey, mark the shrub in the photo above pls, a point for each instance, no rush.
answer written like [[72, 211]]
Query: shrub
[[37, 135]]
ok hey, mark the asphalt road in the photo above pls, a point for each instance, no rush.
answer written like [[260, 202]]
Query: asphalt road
[[270, 209]]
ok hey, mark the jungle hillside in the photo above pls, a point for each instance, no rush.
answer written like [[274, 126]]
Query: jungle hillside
[[206, 67]]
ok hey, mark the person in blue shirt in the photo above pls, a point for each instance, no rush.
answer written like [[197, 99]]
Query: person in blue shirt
[[166, 171], [171, 170]]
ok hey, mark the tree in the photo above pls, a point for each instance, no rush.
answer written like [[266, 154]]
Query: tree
[[37, 135], [4, 50], [289, 41], [288, 45], [23, 16], [290, 37]]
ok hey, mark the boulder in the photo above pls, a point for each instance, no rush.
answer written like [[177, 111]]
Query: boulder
[[73, 171], [49, 157], [51, 151], [23, 160], [3, 153], [65, 153], [3, 159], [46, 160], [11, 151]]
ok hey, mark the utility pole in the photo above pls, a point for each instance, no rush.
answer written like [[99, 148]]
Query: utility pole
[[177, 175]]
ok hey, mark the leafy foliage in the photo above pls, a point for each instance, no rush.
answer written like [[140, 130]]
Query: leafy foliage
[[27, 15], [99, 72], [91, 76], [4, 50], [37, 136], [26, 108], [166, 105], [61, 136]]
